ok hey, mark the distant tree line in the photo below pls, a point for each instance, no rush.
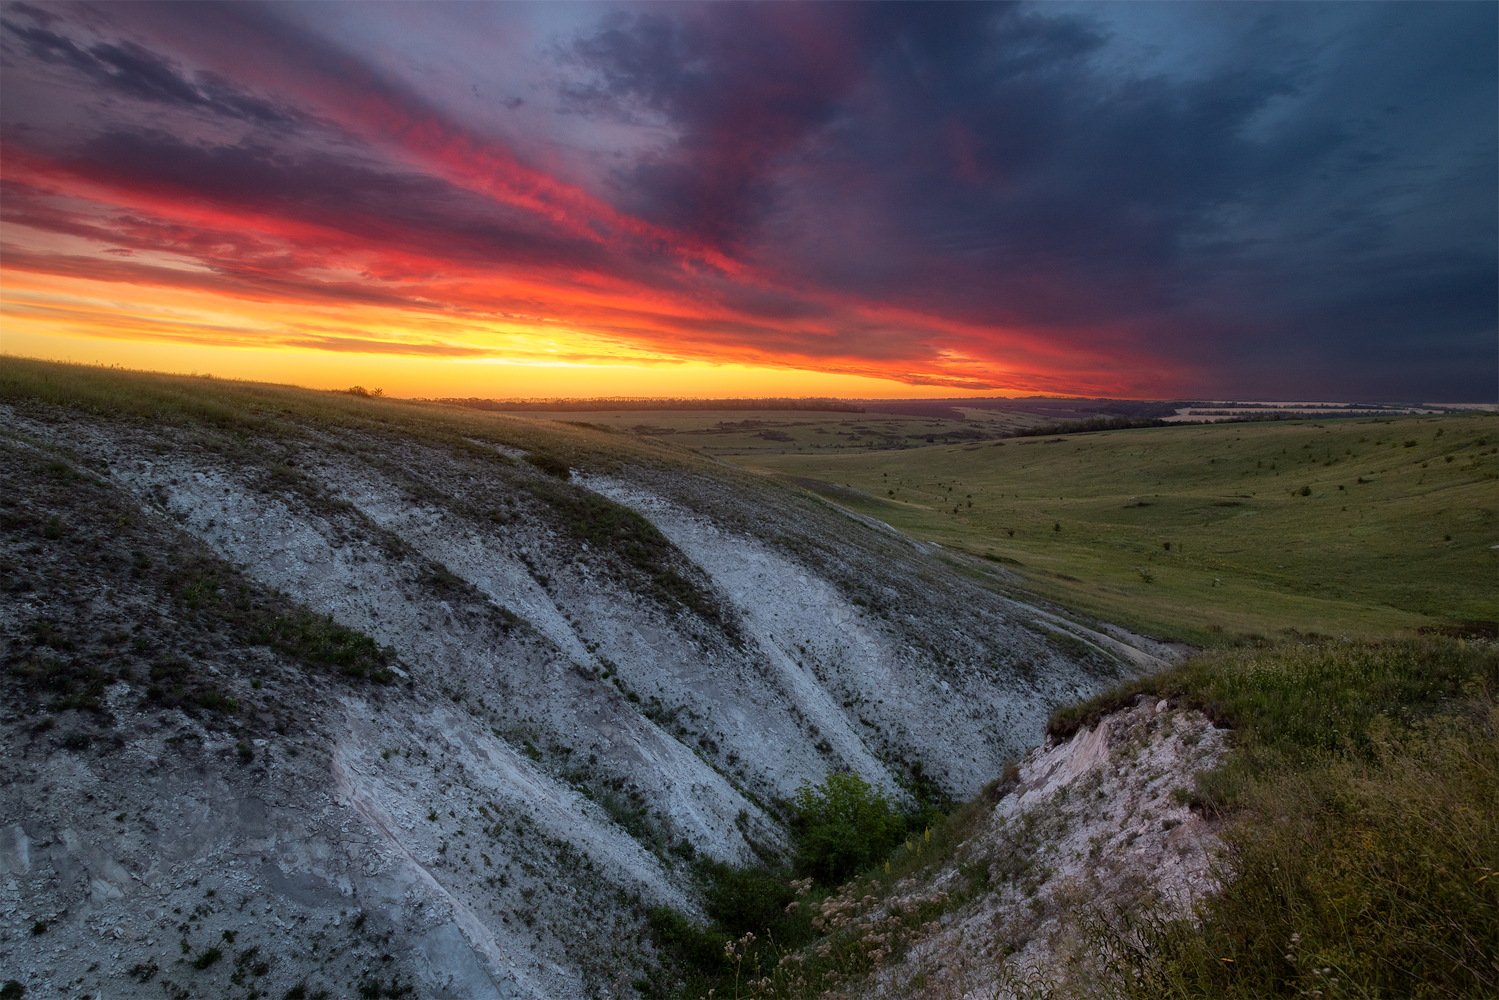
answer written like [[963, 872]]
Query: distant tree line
[[1111, 423]]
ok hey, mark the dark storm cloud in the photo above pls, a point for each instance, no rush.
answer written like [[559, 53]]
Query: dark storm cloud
[[1003, 173], [133, 71], [1263, 195], [740, 86], [411, 212]]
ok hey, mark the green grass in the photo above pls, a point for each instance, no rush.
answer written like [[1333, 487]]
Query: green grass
[[1306, 698], [1204, 533], [275, 412], [1363, 827], [742, 433]]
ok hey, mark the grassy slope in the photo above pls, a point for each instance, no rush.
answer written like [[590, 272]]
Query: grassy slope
[[254, 408], [740, 433], [1248, 552], [1363, 825]]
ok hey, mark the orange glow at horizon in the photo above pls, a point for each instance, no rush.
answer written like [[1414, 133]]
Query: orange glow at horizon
[[503, 282], [406, 377], [599, 346]]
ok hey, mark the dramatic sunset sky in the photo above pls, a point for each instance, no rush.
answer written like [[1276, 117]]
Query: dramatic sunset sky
[[1129, 199]]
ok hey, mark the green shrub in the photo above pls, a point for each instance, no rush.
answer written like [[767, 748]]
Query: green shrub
[[747, 899], [206, 959], [847, 825], [695, 947]]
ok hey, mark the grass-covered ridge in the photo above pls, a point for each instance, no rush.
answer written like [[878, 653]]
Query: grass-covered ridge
[[1362, 802], [258, 409], [1360, 527], [261, 426], [1307, 698]]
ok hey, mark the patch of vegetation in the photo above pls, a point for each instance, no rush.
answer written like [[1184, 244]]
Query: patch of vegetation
[[218, 594], [207, 958], [1093, 424], [1248, 553], [175, 682], [52, 670], [773, 935], [846, 825], [639, 545], [550, 464], [1364, 835], [1308, 697], [319, 641]]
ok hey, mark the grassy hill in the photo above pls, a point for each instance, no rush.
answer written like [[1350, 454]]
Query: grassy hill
[[1359, 527]]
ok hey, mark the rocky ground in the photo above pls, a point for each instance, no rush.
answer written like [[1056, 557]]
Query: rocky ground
[[1091, 838], [357, 711]]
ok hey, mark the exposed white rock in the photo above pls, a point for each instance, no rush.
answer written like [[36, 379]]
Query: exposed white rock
[[1096, 827], [559, 740]]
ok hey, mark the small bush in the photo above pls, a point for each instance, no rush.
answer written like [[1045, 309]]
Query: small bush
[[847, 825], [750, 899], [550, 464], [697, 948], [206, 959]]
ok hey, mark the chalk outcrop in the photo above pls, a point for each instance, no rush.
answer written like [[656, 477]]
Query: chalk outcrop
[[1094, 832], [586, 682]]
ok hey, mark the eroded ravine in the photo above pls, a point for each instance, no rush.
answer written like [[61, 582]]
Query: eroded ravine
[[558, 739]]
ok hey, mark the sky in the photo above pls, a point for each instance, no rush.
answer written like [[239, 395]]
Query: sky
[[1141, 200]]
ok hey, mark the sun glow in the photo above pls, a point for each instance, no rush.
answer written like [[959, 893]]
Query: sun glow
[[408, 351]]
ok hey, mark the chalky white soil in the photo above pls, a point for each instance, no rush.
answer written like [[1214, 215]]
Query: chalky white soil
[[1094, 833], [559, 742]]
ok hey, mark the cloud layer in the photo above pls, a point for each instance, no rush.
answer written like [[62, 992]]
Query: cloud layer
[[1275, 200]]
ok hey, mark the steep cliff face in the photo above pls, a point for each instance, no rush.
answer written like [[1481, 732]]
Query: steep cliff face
[[293, 699]]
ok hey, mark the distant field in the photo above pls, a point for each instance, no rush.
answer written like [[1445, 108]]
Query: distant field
[[1405, 543], [1201, 533], [728, 433]]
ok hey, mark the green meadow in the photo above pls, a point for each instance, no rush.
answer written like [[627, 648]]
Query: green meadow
[[740, 433], [1204, 533]]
